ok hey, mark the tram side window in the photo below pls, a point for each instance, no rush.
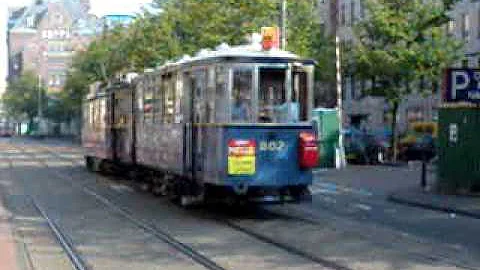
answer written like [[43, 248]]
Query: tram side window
[[86, 113], [221, 95], [242, 95], [148, 102], [272, 100], [102, 116], [300, 94], [210, 106], [158, 101], [178, 100], [199, 91], [91, 117], [139, 96], [169, 99], [97, 113]]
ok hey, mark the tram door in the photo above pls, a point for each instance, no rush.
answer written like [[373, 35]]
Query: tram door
[[122, 126], [195, 134]]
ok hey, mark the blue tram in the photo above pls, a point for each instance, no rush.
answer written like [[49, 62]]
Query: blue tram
[[224, 124]]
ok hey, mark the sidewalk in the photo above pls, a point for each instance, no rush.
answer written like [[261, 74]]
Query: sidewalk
[[8, 256], [461, 205]]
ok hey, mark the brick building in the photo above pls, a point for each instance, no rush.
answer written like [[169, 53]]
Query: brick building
[[44, 36]]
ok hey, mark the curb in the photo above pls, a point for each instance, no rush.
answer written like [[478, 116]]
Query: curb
[[446, 209]]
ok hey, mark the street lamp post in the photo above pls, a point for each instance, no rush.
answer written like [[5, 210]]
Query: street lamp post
[[40, 109], [40, 127], [284, 24], [338, 64]]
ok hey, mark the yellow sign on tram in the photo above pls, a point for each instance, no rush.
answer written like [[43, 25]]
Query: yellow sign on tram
[[241, 157]]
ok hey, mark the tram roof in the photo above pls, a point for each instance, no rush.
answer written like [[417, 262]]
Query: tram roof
[[252, 53]]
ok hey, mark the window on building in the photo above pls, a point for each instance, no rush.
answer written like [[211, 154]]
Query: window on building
[[465, 26], [478, 23], [451, 27], [59, 18], [30, 21], [353, 87], [352, 13], [362, 9], [465, 63], [363, 87], [342, 14]]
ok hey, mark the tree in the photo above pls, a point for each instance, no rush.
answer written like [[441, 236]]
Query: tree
[[205, 24], [401, 44], [186, 26], [21, 97]]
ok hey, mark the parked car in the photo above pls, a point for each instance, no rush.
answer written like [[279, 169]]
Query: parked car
[[419, 142], [365, 148], [6, 129], [419, 147]]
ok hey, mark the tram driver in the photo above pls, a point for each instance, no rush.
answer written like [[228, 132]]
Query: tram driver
[[274, 108]]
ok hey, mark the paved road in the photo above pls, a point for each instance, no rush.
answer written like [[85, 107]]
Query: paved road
[[357, 196], [349, 225]]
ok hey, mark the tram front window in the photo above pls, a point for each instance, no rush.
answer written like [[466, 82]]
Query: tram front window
[[272, 100], [242, 96]]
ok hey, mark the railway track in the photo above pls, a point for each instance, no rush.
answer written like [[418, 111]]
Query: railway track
[[164, 236], [79, 263], [235, 226], [76, 259]]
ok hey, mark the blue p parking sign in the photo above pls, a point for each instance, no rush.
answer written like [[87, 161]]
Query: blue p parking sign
[[462, 85]]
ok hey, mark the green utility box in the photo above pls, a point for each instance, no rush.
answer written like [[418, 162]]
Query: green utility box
[[459, 149], [326, 121]]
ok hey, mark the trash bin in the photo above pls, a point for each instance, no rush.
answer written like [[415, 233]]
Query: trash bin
[[326, 121]]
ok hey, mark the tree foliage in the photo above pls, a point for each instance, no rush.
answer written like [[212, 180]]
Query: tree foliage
[[402, 43], [186, 26], [20, 100]]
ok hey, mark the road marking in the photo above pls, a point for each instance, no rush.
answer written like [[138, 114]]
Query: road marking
[[121, 188], [315, 191], [391, 211], [328, 199], [363, 207], [332, 188]]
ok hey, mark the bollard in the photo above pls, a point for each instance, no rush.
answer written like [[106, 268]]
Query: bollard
[[423, 182]]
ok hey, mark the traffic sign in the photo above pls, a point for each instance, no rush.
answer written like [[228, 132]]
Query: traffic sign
[[462, 85]]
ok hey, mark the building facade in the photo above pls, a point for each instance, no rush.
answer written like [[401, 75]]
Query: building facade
[[44, 36], [371, 113]]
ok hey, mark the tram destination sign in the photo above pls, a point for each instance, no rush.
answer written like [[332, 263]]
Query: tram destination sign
[[462, 85]]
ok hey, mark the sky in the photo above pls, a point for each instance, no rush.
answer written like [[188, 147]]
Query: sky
[[99, 8]]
